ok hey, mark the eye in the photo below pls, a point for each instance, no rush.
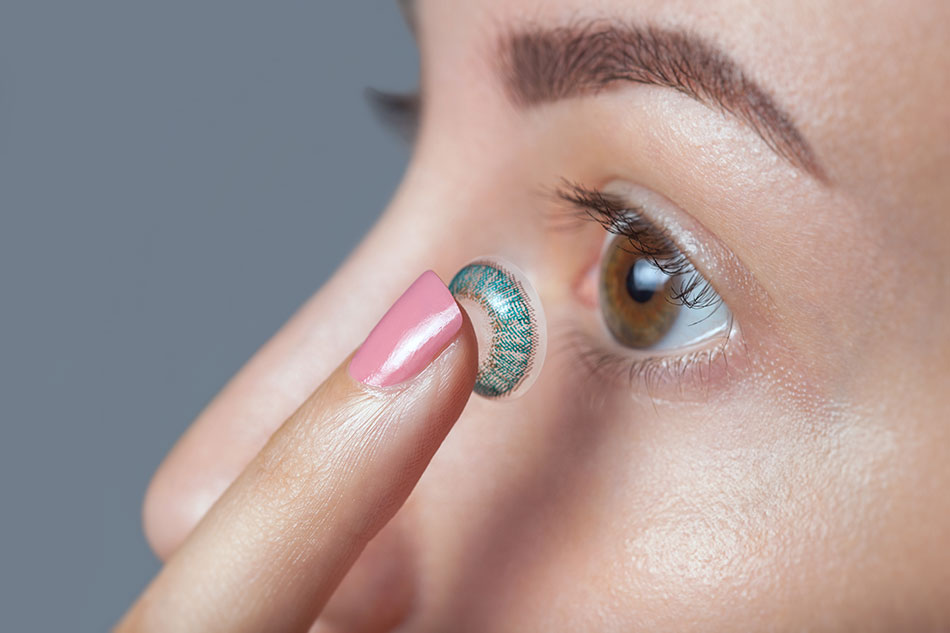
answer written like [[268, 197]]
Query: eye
[[652, 298]]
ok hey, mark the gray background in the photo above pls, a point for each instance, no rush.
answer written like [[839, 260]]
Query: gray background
[[176, 177]]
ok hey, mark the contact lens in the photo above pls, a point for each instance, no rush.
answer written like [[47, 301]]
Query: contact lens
[[509, 324]]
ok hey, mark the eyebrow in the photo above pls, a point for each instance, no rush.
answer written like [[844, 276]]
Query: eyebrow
[[541, 65]]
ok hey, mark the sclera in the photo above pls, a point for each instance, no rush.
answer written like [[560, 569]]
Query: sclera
[[506, 313]]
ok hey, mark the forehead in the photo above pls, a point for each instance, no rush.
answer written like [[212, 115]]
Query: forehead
[[865, 83]]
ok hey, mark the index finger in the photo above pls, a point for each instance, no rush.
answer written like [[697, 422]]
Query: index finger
[[236, 424], [273, 548]]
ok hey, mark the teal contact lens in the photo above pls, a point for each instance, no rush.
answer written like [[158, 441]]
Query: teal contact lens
[[509, 323]]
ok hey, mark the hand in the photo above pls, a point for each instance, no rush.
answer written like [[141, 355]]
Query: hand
[[271, 551]]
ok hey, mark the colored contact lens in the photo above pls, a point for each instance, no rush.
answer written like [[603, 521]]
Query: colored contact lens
[[509, 324]]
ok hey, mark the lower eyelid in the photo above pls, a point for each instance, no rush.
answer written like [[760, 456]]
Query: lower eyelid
[[696, 375]]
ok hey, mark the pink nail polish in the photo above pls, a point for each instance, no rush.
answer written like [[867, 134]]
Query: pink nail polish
[[409, 336]]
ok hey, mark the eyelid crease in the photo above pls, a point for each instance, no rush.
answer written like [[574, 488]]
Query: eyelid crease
[[619, 217]]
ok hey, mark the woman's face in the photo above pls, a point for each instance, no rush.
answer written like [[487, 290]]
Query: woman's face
[[777, 458]]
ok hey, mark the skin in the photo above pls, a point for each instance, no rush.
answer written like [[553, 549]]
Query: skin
[[799, 485]]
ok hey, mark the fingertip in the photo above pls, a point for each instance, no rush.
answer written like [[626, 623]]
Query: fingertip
[[177, 497], [418, 326]]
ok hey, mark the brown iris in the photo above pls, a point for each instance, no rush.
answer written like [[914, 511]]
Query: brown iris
[[635, 296]]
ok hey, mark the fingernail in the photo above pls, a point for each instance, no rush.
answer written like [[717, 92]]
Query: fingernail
[[409, 336]]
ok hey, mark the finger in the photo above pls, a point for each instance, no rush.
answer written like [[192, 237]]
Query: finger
[[270, 552], [235, 425]]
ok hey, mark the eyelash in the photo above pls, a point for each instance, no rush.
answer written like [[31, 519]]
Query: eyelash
[[645, 238]]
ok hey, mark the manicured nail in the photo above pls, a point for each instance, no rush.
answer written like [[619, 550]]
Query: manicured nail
[[408, 337]]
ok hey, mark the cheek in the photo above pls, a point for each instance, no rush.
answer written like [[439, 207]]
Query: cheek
[[745, 514], [661, 518]]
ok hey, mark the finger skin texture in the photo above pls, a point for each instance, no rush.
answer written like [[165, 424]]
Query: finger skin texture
[[270, 552]]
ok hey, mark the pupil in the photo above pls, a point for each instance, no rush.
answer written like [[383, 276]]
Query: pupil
[[644, 280]]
